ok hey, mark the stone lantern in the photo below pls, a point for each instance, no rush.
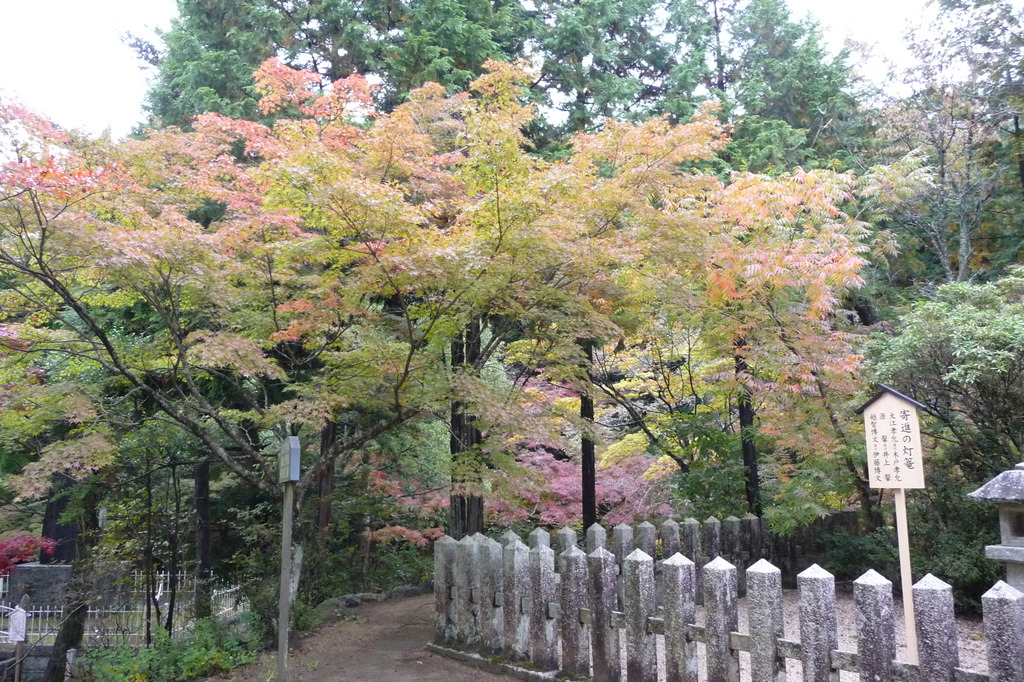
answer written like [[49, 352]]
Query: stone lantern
[[1007, 490]]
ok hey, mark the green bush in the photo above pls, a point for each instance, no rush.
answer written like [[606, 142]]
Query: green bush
[[208, 650]]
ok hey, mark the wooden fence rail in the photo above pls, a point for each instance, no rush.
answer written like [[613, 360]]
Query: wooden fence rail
[[575, 612]]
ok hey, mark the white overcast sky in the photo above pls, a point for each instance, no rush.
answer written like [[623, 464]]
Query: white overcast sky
[[65, 58]]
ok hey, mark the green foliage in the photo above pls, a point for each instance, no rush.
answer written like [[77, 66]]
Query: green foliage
[[207, 651], [850, 555], [961, 353]]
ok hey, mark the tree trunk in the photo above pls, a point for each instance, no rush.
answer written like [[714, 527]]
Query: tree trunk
[[64, 534], [466, 513], [72, 628], [747, 444], [589, 461], [204, 542], [325, 484]]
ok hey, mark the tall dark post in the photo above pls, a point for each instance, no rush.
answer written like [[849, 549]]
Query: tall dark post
[[747, 444], [466, 510], [204, 542], [589, 459]]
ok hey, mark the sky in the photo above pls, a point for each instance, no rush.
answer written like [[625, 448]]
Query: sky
[[66, 59]]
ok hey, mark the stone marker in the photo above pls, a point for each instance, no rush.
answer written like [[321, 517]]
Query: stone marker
[[466, 570], [604, 595], [507, 537], [722, 617], [692, 551], [597, 537], [647, 539], [936, 629], [538, 537], [444, 584], [638, 586], [543, 628], [563, 539], [764, 601], [817, 622], [712, 538], [622, 542], [876, 643], [1003, 611], [515, 606], [492, 624], [669, 533], [575, 643], [679, 582]]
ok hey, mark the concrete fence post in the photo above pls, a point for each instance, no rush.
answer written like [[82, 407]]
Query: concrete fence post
[[764, 602], [561, 540], [444, 584], [515, 602], [817, 623], [604, 598], [722, 618], [507, 537], [669, 534], [752, 537], [731, 550], [492, 624], [538, 537], [876, 630], [936, 629], [466, 570], [638, 582], [712, 538], [692, 551], [543, 627], [647, 539], [597, 537], [622, 542], [575, 643], [679, 580], [1003, 611]]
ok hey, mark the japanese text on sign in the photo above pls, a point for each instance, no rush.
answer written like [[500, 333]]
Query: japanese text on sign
[[894, 444]]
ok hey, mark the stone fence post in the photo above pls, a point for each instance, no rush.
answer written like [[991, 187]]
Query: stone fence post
[[669, 534], [679, 581], [638, 581], [444, 585], [492, 623], [764, 601], [647, 539], [604, 597], [574, 596], [597, 537], [1003, 611], [516, 580], [466, 569], [543, 630], [817, 623], [876, 630], [722, 617], [936, 629]]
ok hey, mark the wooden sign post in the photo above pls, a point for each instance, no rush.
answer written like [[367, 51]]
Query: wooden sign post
[[894, 461], [288, 474]]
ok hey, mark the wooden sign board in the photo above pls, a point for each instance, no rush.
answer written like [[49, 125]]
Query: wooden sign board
[[893, 437], [288, 463]]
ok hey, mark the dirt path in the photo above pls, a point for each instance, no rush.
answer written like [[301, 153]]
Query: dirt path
[[384, 641]]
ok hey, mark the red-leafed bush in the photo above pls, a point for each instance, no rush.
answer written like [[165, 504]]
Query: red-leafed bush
[[22, 548]]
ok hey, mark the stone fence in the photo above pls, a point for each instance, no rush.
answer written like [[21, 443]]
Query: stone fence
[[601, 613]]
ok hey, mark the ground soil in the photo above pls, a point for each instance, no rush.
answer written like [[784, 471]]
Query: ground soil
[[378, 641]]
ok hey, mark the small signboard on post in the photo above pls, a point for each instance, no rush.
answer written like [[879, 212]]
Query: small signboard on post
[[895, 461]]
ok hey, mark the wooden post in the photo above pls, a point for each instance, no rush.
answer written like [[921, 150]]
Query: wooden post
[[285, 593], [288, 474], [906, 578]]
